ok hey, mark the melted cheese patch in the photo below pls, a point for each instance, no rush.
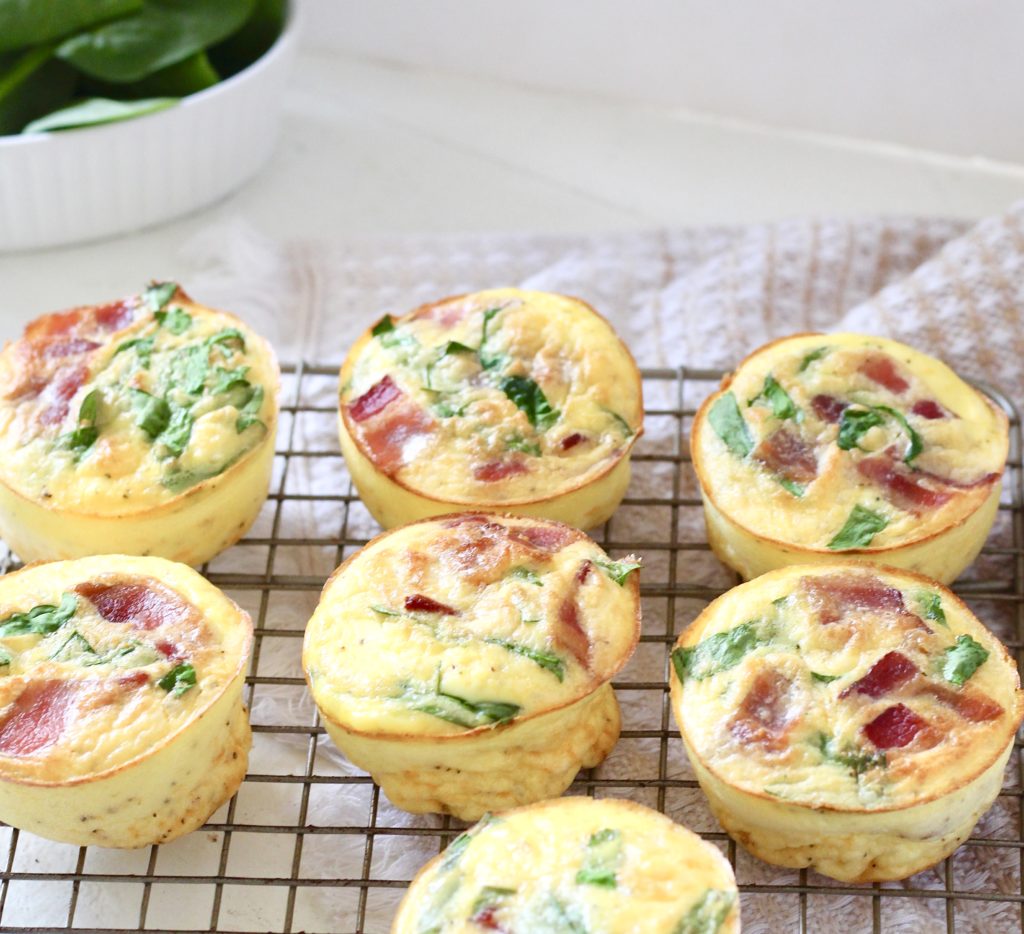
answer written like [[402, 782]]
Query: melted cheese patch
[[445, 626], [503, 396], [577, 864], [807, 490], [153, 408], [100, 666], [840, 687]]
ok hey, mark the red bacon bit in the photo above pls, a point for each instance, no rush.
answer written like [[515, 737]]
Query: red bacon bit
[[902, 488], [418, 603], [377, 398], [890, 672], [47, 327], [549, 538], [584, 571], [828, 408], [788, 455], [135, 679], [38, 717], [881, 368], [895, 727], [984, 480], [927, 408], [836, 595], [493, 471], [486, 918], [114, 316], [570, 441], [570, 635], [57, 396], [392, 431], [137, 604], [971, 705], [764, 715], [169, 650], [68, 348]]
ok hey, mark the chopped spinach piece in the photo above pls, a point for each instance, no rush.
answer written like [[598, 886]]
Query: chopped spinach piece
[[620, 421], [452, 347], [854, 424], [384, 611], [224, 379], [384, 326], [602, 859], [446, 410], [930, 606], [782, 406], [708, 913], [176, 320], [530, 398], [152, 414], [179, 679], [861, 526], [40, 620], [89, 407], [824, 679], [248, 414], [811, 358], [548, 914], [618, 571], [143, 348], [159, 294], [518, 443], [175, 436], [717, 653], [962, 659], [188, 369], [490, 360], [458, 710], [225, 337], [72, 647], [5, 658], [84, 436], [856, 760], [916, 444], [531, 577], [547, 660], [177, 479], [791, 486], [491, 897], [728, 423]]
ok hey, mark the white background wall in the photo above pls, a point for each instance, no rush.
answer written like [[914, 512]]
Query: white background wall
[[946, 75]]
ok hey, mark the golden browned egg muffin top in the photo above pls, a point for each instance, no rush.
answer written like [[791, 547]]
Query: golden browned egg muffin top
[[499, 396]]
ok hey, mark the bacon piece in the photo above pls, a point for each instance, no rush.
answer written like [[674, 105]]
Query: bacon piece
[[487, 918], [836, 595], [895, 727], [570, 635], [983, 480], [493, 471], [788, 455], [828, 408], [483, 550], [927, 408], [902, 488], [47, 327], [38, 717], [133, 679], [391, 431], [377, 398], [891, 671], [584, 571], [971, 705], [548, 538], [138, 604], [169, 650], [764, 715], [68, 348], [418, 603], [570, 441], [114, 316], [56, 398], [881, 368]]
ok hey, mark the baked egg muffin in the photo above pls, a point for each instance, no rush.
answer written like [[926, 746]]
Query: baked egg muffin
[[464, 661], [505, 401], [850, 719], [141, 427], [121, 717], [825, 445], [605, 866]]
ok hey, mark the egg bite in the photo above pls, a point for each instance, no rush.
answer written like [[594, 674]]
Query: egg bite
[[464, 661], [826, 445], [606, 866], [850, 719], [142, 427], [505, 401], [121, 716]]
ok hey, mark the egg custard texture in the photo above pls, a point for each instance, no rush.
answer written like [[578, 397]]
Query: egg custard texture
[[604, 866], [141, 427], [840, 444], [121, 717], [464, 661], [504, 400], [851, 719]]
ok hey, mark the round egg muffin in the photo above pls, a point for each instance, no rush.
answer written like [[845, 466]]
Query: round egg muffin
[[505, 400], [121, 716], [604, 866], [851, 719], [464, 661], [141, 427], [840, 444]]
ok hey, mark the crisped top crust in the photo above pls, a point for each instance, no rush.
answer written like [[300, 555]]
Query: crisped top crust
[[104, 659], [844, 687], [605, 866], [502, 396], [468, 621], [845, 442], [118, 409]]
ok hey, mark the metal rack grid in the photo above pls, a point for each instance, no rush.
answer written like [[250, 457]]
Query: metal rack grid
[[265, 860]]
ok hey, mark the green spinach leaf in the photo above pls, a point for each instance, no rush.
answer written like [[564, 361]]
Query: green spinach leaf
[[29, 22], [791, 486], [518, 443], [248, 415], [618, 571], [708, 913], [720, 652], [176, 320], [85, 435], [179, 679], [782, 406], [158, 294], [916, 445], [854, 424], [810, 358], [95, 111], [824, 679], [602, 859], [929, 605], [962, 659], [858, 761], [531, 577], [152, 414], [727, 422], [547, 660], [861, 526], [143, 347], [40, 620], [530, 399], [384, 326]]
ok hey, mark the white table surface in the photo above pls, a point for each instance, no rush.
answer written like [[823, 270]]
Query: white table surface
[[371, 148]]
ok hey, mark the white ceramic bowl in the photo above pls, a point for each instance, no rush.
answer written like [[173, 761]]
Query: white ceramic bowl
[[83, 184]]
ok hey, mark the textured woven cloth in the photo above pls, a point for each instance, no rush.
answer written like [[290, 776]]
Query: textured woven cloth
[[699, 297]]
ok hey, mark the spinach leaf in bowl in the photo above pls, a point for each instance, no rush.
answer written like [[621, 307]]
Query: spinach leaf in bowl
[[30, 22], [97, 110]]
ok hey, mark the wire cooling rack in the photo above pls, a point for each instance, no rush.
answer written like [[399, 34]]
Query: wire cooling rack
[[310, 844]]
